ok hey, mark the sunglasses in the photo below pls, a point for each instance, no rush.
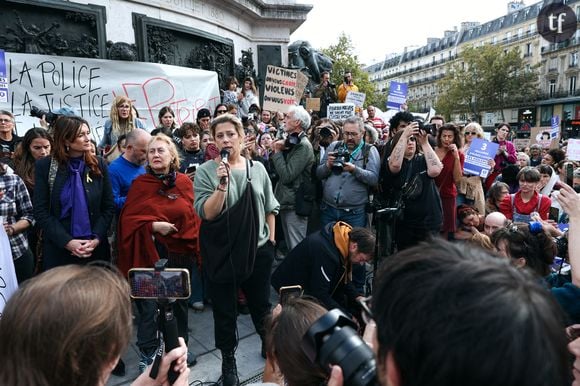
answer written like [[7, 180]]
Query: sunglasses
[[470, 133], [222, 111]]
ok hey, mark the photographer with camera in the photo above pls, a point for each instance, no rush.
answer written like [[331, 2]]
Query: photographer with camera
[[348, 170], [292, 160], [326, 91], [410, 179], [322, 264]]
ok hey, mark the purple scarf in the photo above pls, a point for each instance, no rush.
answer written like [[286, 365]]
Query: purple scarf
[[73, 201]]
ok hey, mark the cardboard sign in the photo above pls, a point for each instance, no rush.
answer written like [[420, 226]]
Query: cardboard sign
[[338, 111], [313, 104], [280, 89], [356, 98], [479, 153], [89, 86], [573, 149], [544, 137], [521, 143], [301, 83]]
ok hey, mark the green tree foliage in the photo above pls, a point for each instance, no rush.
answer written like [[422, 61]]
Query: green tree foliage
[[344, 59], [487, 78]]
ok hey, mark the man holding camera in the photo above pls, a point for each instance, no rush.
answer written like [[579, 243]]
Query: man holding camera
[[346, 86], [326, 92], [323, 261], [293, 159], [348, 170]]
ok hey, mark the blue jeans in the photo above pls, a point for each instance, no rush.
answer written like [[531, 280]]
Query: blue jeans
[[355, 217]]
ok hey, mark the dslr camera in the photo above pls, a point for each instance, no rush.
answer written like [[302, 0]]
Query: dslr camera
[[426, 128], [49, 116], [332, 340], [342, 156]]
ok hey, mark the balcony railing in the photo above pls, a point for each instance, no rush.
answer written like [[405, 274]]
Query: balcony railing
[[558, 94]]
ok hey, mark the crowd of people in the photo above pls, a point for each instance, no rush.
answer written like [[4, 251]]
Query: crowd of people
[[247, 200]]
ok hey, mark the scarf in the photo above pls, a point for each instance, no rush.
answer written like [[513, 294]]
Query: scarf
[[73, 201]]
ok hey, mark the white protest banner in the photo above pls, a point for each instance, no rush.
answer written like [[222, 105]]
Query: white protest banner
[[573, 149], [8, 282], [338, 111], [279, 89], [88, 86], [356, 98]]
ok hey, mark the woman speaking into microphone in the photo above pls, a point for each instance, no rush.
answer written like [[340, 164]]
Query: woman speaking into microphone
[[234, 198]]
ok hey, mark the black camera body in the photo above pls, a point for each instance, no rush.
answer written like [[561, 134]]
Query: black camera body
[[342, 156], [427, 128], [325, 132], [292, 140], [49, 116], [332, 340]]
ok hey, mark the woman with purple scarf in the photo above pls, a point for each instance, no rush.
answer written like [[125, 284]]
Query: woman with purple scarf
[[73, 200]]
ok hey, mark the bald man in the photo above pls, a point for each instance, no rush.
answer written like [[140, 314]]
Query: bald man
[[494, 221]]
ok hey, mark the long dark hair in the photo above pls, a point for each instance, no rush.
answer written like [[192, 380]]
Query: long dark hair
[[66, 129], [23, 159]]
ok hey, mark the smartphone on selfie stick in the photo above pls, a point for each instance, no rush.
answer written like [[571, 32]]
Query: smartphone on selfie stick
[[289, 292], [164, 285]]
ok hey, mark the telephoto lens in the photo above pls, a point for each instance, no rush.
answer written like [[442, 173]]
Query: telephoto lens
[[332, 340]]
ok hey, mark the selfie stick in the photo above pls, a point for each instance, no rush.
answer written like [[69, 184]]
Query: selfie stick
[[167, 326]]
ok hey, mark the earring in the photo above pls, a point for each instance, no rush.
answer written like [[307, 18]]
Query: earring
[[67, 148]]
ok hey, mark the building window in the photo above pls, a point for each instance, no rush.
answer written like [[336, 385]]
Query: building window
[[573, 59], [546, 115], [552, 88], [514, 115], [494, 40], [553, 64], [529, 49], [520, 32], [572, 85]]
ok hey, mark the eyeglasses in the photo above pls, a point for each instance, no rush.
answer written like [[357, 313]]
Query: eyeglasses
[[349, 134], [470, 133], [222, 111], [5, 120]]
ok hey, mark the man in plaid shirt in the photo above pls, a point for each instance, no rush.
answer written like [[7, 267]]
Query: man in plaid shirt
[[17, 216]]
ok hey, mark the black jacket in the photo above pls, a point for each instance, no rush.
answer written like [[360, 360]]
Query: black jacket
[[317, 265], [47, 208]]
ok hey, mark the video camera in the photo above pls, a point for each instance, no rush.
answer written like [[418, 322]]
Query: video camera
[[332, 340], [49, 116]]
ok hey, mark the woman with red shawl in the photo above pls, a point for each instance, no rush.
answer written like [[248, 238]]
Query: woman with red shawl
[[158, 221]]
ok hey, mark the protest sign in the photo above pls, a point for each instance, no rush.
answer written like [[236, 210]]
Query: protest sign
[[543, 136], [313, 104], [3, 78], [397, 95], [521, 143], [301, 83], [88, 86], [8, 282], [338, 111], [356, 98], [573, 149], [479, 153], [280, 88]]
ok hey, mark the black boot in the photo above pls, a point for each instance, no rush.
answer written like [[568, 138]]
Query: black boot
[[229, 369]]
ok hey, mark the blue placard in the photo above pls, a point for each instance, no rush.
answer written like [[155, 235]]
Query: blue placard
[[3, 78], [397, 95], [479, 153]]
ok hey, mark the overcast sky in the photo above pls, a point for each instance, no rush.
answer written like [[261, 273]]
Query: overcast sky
[[379, 27]]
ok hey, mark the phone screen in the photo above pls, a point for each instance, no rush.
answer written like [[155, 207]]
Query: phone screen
[[289, 292], [172, 283], [570, 174], [191, 168], [554, 214]]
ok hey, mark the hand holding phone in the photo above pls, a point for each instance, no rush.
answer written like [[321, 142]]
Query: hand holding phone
[[289, 292]]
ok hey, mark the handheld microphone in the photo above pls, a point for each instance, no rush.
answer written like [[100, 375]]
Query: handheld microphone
[[225, 153]]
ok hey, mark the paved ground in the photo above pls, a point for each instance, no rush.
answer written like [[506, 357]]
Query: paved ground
[[201, 342]]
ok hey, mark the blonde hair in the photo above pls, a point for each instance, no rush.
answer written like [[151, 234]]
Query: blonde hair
[[114, 115], [174, 165], [474, 126]]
